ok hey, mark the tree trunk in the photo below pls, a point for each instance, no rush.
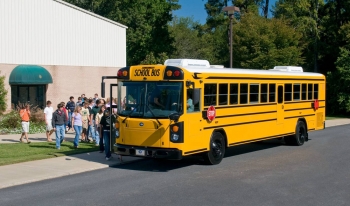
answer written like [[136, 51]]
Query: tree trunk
[[266, 9]]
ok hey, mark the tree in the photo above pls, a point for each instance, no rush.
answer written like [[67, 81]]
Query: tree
[[3, 93], [304, 16], [262, 43]]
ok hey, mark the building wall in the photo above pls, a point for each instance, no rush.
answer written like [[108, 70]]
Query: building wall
[[68, 81], [53, 32]]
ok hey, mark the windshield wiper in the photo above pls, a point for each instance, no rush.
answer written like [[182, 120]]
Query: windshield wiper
[[132, 112], [160, 124]]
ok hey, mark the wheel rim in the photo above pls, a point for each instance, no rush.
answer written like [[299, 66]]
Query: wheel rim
[[217, 149]]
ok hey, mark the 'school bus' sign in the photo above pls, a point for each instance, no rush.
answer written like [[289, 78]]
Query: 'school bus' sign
[[147, 72]]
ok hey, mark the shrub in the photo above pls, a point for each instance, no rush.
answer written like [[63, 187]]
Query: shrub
[[3, 94], [11, 120]]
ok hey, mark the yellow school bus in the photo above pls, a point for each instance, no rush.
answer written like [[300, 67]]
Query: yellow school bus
[[187, 107]]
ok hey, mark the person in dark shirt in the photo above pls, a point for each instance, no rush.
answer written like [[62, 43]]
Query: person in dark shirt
[[105, 127], [59, 119], [70, 106]]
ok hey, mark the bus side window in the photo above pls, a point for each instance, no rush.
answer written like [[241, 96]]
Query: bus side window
[[315, 91], [272, 92], [243, 93], [263, 93], [234, 93], [296, 92], [254, 94], [223, 93], [309, 91], [303, 92], [210, 93], [288, 92]]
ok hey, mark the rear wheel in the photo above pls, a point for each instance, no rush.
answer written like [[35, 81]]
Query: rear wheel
[[299, 137], [217, 149]]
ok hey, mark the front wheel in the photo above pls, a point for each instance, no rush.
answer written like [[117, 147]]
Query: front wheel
[[217, 149]]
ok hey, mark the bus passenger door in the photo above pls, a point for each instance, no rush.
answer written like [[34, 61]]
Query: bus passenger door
[[280, 107], [193, 121]]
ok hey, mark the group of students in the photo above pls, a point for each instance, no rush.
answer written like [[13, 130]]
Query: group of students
[[86, 117]]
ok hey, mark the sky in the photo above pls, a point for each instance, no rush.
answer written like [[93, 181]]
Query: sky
[[195, 9]]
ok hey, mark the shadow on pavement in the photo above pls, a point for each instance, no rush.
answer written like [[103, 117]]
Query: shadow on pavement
[[156, 165]]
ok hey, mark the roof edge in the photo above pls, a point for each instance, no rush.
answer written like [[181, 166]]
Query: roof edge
[[90, 13]]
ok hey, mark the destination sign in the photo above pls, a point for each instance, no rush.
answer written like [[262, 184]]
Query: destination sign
[[147, 72]]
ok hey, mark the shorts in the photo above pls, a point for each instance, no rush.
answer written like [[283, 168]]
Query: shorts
[[25, 127], [49, 127], [85, 124]]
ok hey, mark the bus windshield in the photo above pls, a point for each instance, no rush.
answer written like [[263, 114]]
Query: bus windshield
[[150, 99]]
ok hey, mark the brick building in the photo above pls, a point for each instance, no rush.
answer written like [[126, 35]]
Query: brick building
[[51, 50]]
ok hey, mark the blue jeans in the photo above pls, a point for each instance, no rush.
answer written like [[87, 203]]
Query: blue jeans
[[60, 131], [107, 142], [70, 119], [91, 130], [97, 132], [78, 130]]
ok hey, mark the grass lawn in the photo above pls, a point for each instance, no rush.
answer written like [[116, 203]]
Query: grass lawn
[[23, 152], [336, 117]]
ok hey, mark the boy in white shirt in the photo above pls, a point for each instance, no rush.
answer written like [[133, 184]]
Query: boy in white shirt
[[48, 111]]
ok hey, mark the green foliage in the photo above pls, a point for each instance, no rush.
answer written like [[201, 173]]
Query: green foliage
[[262, 43], [10, 120], [3, 93], [338, 85]]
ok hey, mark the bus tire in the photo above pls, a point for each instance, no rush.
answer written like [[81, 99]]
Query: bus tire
[[299, 137], [217, 149]]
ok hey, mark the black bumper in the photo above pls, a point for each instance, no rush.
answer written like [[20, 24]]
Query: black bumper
[[151, 152]]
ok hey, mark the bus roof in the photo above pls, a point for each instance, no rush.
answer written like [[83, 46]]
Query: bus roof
[[205, 70]]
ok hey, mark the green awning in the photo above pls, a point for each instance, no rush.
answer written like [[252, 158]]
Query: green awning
[[30, 74]]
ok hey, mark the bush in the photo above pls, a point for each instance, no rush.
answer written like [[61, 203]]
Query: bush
[[3, 94], [11, 123]]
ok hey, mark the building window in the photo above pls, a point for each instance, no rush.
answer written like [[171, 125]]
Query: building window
[[210, 94], [32, 94], [233, 93], [254, 94], [263, 93], [243, 94], [223, 94], [296, 92], [288, 92]]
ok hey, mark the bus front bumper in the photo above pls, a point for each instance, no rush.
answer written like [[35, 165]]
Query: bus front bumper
[[151, 152]]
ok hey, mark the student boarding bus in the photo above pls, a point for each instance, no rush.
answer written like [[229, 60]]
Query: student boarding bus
[[187, 107]]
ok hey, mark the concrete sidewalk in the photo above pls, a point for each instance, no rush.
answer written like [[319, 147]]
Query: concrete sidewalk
[[27, 172]]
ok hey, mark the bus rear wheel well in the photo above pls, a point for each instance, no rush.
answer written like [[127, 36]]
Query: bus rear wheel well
[[223, 133], [303, 120]]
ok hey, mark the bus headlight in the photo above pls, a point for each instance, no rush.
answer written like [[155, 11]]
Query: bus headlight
[[174, 137], [117, 134]]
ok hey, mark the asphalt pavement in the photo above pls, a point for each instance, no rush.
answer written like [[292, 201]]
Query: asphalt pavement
[[265, 173], [12, 175]]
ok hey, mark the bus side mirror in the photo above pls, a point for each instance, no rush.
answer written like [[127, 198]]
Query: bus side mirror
[[174, 116]]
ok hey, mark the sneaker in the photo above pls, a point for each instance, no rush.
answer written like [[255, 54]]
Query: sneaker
[[58, 148], [76, 147], [97, 145], [101, 151], [108, 158]]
